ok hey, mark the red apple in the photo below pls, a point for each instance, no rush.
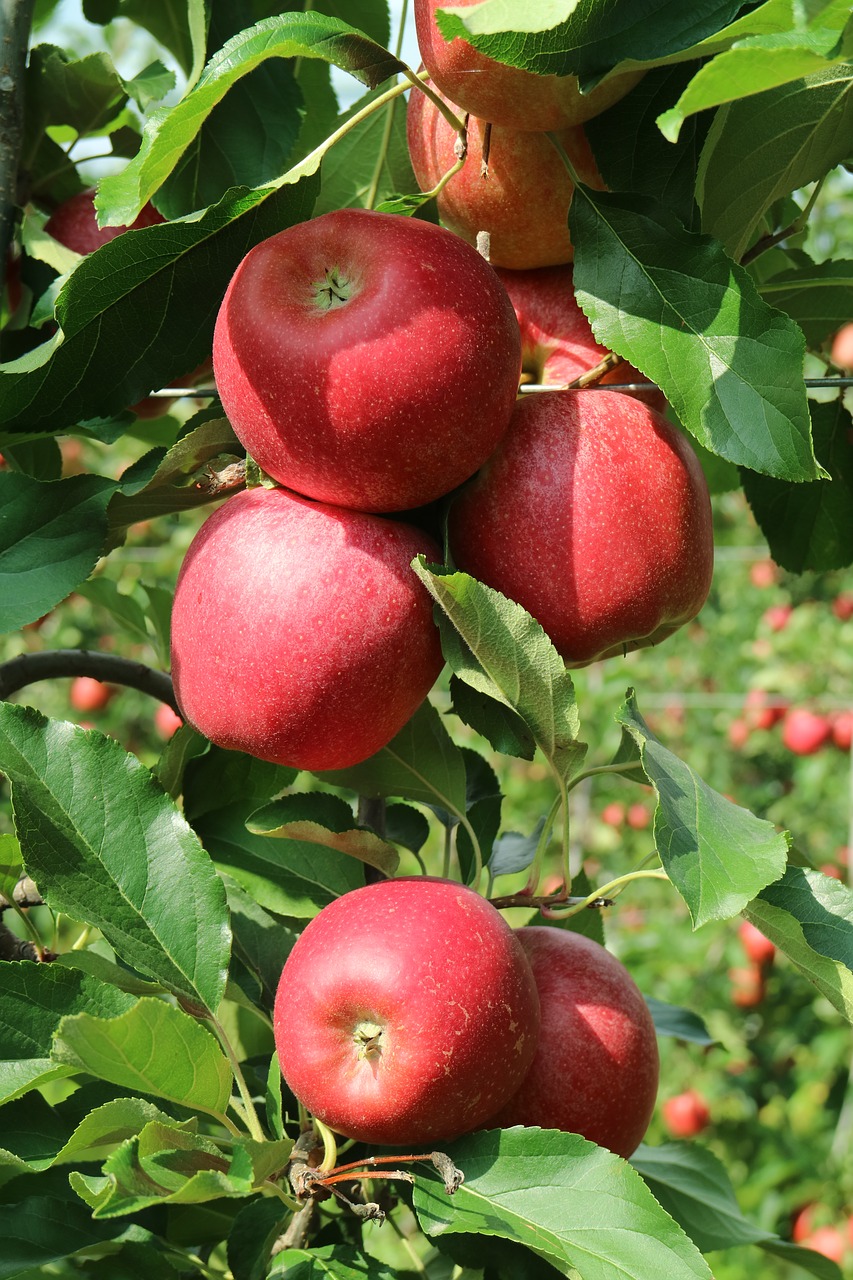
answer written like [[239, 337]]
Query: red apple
[[826, 1240], [738, 733], [596, 1068], [761, 710], [88, 694], [830, 869], [594, 515], [842, 730], [507, 95], [166, 721], [759, 949], [803, 1223], [763, 574], [638, 817], [406, 1013], [366, 359], [300, 633], [613, 814], [842, 606], [804, 732], [557, 343], [749, 987], [841, 354], [777, 616], [74, 223], [523, 198], [686, 1114]]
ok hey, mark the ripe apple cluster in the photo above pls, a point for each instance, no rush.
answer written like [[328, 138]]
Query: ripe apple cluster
[[409, 1012]]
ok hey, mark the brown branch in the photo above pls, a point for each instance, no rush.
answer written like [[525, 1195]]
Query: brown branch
[[605, 364], [227, 479], [16, 17], [29, 668]]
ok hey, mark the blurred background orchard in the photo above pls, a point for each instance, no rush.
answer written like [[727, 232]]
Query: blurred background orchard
[[756, 694]]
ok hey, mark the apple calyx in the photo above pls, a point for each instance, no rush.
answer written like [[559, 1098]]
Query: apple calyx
[[368, 1037], [334, 290]]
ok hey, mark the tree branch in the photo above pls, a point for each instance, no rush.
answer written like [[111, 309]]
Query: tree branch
[[16, 17], [54, 664]]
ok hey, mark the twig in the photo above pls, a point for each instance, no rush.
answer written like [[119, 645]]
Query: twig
[[29, 668], [16, 17], [605, 364], [549, 900]]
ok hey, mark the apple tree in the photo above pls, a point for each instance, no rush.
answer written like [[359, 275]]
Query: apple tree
[[149, 907]]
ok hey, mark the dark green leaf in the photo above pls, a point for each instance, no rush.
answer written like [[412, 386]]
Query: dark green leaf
[[327, 1262], [83, 93], [502, 727], [815, 294], [50, 540], [578, 1206], [718, 855], [406, 826], [41, 459], [175, 275], [682, 1024], [370, 163], [178, 25], [107, 846], [256, 1227], [810, 917], [39, 1231], [766, 146], [327, 820], [36, 1135], [493, 645], [221, 779], [680, 310], [262, 942], [810, 526]]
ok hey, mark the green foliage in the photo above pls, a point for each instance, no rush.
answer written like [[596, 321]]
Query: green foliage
[[144, 1125]]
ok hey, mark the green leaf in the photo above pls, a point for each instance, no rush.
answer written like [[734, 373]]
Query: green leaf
[[574, 1204], [814, 294], [809, 916], [290, 877], [107, 846], [514, 852], [176, 24], [680, 310], [327, 1262], [153, 1048], [172, 485], [502, 727], [83, 93], [370, 163], [499, 650], [174, 274], [718, 855], [584, 39], [51, 538], [317, 818], [169, 131], [769, 145], [422, 763], [39, 1231], [755, 65], [11, 865], [406, 826], [256, 1227], [33, 1000], [681, 1024], [36, 1135], [221, 779], [124, 608], [261, 941], [810, 526], [247, 138]]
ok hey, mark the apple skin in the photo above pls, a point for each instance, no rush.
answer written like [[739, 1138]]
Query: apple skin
[[596, 1068], [557, 342], [507, 95], [841, 353], [433, 972], [524, 201], [166, 721], [686, 1114], [388, 400], [594, 515], [757, 946], [74, 223], [300, 633], [842, 730], [826, 1240], [804, 732], [89, 694]]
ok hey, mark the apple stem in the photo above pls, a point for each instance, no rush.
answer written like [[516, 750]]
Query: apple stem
[[535, 872], [594, 770], [607, 362], [610, 890], [330, 1146], [419, 80]]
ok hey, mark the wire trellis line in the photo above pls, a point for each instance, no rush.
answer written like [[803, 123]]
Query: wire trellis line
[[175, 393]]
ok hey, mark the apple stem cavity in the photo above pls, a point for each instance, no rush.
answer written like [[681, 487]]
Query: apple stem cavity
[[368, 1040], [333, 291]]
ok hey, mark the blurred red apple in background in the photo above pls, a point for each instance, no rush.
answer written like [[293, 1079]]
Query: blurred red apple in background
[[763, 573], [88, 694], [841, 353], [167, 721], [842, 730], [777, 616], [748, 986], [842, 605], [613, 814], [686, 1114], [758, 948], [804, 732]]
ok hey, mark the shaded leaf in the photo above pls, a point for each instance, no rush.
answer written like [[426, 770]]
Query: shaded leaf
[[327, 1261], [718, 855], [810, 526], [814, 294], [318, 818], [39, 1230], [370, 163], [502, 727], [682, 1024], [255, 1229], [51, 536]]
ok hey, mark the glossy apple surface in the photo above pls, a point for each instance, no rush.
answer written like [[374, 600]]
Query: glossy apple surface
[[596, 1068], [524, 201], [686, 1114], [74, 223], [300, 633], [406, 1013], [506, 95], [594, 515], [557, 342], [367, 359]]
